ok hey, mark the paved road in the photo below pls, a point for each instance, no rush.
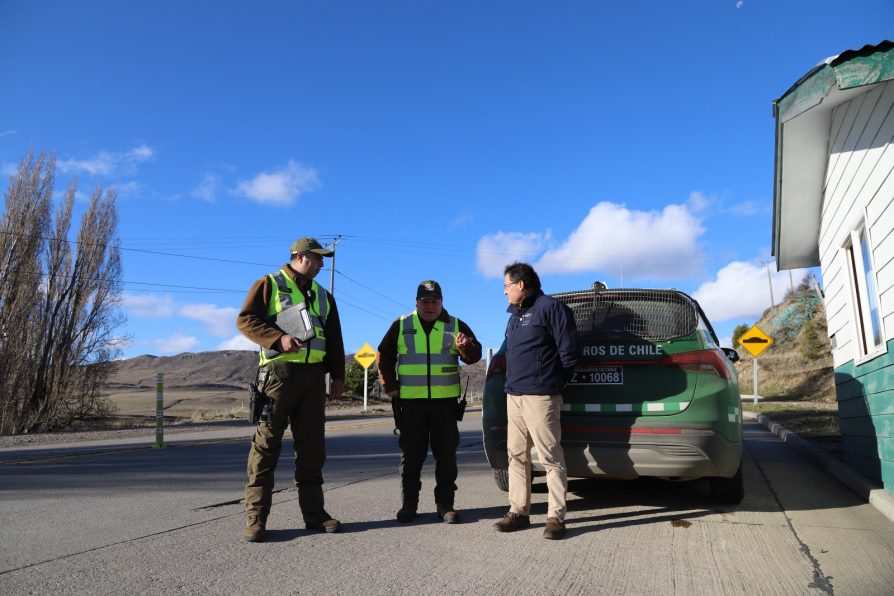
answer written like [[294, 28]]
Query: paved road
[[165, 521]]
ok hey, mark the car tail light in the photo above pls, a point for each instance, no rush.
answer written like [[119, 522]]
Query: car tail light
[[497, 366], [712, 361]]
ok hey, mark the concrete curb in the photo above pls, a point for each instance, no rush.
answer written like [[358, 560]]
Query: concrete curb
[[866, 489]]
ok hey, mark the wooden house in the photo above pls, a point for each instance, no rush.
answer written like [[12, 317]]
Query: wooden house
[[833, 206]]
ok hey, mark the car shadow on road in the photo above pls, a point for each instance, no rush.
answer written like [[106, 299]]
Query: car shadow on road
[[655, 501]]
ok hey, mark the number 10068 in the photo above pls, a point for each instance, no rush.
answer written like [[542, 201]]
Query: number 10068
[[603, 375]]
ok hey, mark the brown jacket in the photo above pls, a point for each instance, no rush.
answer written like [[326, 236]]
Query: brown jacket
[[252, 322], [387, 361]]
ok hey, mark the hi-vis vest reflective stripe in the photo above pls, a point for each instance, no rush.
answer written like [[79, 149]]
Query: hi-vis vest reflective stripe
[[427, 365], [286, 294]]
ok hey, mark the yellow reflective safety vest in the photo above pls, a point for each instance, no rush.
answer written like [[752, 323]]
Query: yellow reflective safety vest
[[285, 294], [427, 365]]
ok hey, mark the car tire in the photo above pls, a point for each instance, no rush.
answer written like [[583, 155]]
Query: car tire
[[729, 490], [501, 477]]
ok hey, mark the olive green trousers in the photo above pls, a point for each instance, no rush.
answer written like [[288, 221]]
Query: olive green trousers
[[298, 396]]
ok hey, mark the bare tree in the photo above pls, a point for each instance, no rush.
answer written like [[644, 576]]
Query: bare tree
[[58, 302]]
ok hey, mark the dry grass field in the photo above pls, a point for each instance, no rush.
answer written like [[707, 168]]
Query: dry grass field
[[181, 402]]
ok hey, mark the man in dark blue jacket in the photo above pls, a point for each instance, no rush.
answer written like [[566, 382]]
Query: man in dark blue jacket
[[541, 351]]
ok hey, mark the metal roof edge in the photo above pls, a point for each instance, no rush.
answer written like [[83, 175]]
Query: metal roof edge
[[852, 68]]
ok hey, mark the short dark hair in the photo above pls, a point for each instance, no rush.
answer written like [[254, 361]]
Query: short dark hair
[[523, 272]]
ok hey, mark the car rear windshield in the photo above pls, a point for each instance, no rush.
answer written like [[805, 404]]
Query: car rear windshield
[[641, 314]]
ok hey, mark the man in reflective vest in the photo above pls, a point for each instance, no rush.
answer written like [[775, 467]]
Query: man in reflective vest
[[419, 370], [292, 375]]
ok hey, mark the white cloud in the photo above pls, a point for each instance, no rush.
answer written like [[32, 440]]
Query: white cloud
[[6, 133], [208, 188], [148, 305], [749, 208], [699, 201], [463, 220], [107, 163], [101, 164], [638, 244], [741, 290], [119, 343], [127, 189], [495, 251], [10, 169], [141, 153], [175, 344], [218, 320], [280, 187], [237, 342]]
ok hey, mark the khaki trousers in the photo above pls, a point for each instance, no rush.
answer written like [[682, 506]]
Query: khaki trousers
[[298, 393], [534, 421]]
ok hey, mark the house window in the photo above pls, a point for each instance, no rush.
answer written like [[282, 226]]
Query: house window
[[863, 293]]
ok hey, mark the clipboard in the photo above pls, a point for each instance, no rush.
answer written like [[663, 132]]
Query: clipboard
[[294, 321]]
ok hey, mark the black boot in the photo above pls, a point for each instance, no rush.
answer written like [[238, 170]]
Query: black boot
[[407, 512]]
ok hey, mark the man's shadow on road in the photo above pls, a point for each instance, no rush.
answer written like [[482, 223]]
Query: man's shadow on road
[[656, 502]]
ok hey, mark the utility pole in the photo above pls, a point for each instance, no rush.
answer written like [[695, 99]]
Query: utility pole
[[770, 281], [332, 291], [332, 265]]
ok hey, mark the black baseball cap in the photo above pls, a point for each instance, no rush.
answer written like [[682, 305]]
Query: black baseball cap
[[429, 289]]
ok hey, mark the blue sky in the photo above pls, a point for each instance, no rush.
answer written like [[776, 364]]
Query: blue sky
[[629, 142]]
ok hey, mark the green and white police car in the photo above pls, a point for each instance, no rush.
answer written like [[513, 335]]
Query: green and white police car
[[653, 394]]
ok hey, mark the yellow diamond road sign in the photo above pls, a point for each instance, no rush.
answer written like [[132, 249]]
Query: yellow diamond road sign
[[365, 356], [755, 341]]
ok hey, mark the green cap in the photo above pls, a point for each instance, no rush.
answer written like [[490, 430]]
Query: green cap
[[308, 244], [429, 289]]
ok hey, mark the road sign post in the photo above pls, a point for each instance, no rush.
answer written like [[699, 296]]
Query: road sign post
[[365, 356], [755, 341]]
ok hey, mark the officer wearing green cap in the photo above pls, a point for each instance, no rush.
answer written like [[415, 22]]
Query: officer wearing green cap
[[292, 374], [419, 369]]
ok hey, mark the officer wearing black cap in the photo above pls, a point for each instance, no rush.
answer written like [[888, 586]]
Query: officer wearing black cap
[[419, 369], [292, 374]]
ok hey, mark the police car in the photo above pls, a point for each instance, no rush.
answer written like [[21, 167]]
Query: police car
[[653, 394]]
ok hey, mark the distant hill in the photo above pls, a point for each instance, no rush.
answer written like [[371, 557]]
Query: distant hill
[[798, 366], [224, 370], [232, 369]]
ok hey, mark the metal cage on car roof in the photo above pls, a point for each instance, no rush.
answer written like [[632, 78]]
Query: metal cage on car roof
[[645, 314]]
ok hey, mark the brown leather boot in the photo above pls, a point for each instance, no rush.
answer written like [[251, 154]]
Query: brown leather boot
[[554, 529], [255, 529], [513, 521]]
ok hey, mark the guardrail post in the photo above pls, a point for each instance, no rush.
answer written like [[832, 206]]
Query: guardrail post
[[159, 410]]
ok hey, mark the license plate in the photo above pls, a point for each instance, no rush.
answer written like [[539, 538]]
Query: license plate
[[600, 375]]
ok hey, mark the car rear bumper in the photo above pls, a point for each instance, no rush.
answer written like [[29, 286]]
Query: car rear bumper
[[682, 451]]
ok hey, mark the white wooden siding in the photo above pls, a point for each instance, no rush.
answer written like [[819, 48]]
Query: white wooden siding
[[884, 247], [859, 185], [859, 168], [841, 170]]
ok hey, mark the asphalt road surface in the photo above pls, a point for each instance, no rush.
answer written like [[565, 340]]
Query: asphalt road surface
[[117, 519]]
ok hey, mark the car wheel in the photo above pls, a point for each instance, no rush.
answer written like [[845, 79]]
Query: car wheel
[[501, 477], [729, 490]]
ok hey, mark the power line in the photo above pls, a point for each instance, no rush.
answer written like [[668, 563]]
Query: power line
[[401, 304], [40, 274]]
